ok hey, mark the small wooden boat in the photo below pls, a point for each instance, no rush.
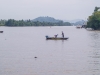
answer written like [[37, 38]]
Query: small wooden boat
[[1, 31], [78, 26], [56, 38]]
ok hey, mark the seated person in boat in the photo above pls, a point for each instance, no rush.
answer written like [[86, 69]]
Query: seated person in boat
[[56, 36]]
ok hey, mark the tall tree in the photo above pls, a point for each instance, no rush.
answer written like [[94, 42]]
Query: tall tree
[[94, 19]]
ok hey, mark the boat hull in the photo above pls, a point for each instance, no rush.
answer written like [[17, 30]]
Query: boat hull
[[58, 38], [1, 31]]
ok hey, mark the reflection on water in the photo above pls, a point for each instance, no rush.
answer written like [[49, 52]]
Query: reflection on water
[[19, 47], [94, 54]]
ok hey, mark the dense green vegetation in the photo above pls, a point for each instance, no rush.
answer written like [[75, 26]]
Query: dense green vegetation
[[12, 22], [2, 22], [94, 19]]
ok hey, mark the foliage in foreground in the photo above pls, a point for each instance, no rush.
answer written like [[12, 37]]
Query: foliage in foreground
[[94, 20]]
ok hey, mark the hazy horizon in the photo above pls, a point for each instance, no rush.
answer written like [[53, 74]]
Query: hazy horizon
[[62, 9]]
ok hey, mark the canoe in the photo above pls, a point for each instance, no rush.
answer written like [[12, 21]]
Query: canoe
[[56, 38], [1, 31]]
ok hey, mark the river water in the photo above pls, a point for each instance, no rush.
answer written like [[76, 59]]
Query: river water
[[79, 55]]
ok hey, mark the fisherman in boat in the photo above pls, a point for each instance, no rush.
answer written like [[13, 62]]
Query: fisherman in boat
[[62, 34]]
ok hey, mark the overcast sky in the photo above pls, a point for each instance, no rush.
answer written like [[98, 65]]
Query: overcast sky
[[59, 9]]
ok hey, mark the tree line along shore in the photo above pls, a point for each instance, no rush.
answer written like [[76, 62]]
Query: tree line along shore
[[12, 22]]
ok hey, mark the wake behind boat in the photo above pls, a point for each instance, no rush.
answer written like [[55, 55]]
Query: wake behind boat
[[56, 38]]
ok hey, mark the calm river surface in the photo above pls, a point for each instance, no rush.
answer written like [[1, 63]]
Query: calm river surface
[[79, 55]]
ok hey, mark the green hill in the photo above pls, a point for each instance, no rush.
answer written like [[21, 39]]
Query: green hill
[[46, 19]]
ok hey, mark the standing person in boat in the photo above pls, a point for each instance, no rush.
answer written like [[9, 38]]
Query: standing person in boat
[[62, 34]]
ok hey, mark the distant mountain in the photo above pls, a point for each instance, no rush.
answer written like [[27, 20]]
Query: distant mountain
[[73, 21], [76, 22], [53, 20], [80, 22], [46, 19]]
